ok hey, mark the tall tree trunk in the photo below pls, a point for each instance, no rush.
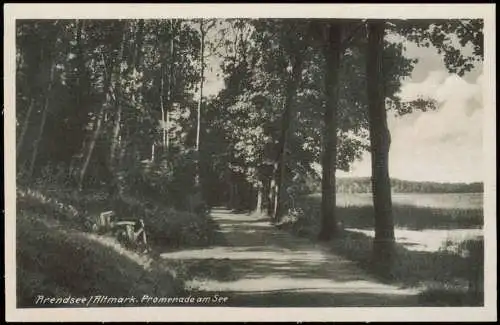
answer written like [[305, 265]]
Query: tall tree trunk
[[167, 124], [97, 129], [25, 127], [116, 134], [202, 72], [136, 58], [166, 101], [36, 145], [275, 183], [133, 63], [83, 84], [271, 194], [118, 107], [260, 194], [265, 194], [291, 92], [91, 146], [332, 53], [170, 81], [230, 199], [139, 40], [200, 103], [162, 107], [383, 245]]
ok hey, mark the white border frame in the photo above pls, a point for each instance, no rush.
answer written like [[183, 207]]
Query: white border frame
[[103, 11]]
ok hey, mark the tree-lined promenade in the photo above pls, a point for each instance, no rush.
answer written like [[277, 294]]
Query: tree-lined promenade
[[119, 107]]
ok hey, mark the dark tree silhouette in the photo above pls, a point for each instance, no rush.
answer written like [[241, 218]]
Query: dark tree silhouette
[[380, 140]]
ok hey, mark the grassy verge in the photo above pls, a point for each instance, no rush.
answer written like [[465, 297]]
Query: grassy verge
[[53, 260], [451, 276]]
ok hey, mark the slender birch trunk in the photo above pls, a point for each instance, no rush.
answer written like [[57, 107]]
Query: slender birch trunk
[[202, 72], [90, 150], [25, 127], [170, 83], [44, 119], [162, 107], [119, 108], [97, 129]]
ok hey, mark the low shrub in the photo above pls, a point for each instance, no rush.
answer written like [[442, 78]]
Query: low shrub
[[169, 181], [165, 226], [169, 227], [443, 296]]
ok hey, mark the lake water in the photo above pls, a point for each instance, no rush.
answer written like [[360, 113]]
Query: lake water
[[430, 240], [432, 200]]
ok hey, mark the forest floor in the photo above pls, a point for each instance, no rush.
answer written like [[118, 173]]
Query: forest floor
[[257, 264]]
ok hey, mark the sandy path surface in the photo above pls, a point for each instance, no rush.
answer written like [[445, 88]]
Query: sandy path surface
[[260, 265]]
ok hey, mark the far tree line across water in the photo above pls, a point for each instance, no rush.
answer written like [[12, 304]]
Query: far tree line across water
[[364, 185]]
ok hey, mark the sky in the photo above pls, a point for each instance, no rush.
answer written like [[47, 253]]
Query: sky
[[444, 145]]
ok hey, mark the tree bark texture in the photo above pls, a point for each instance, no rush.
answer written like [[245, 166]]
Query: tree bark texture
[[383, 245], [332, 53], [36, 145], [288, 113]]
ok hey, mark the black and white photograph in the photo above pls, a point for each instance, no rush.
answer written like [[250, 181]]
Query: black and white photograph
[[169, 158]]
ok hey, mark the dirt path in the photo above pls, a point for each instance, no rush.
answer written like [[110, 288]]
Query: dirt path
[[259, 265]]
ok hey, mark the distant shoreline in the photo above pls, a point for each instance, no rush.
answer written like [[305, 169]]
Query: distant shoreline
[[412, 181], [393, 193], [363, 185]]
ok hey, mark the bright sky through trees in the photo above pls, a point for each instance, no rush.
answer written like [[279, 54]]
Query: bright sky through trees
[[445, 145]]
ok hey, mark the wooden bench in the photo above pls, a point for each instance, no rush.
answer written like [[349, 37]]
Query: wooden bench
[[124, 230]]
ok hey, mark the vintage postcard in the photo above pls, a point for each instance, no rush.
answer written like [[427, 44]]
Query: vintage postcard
[[240, 162]]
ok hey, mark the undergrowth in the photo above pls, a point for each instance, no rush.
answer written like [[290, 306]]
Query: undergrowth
[[166, 227], [59, 255]]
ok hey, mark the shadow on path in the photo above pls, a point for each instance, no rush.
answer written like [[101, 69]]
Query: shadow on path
[[260, 265]]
